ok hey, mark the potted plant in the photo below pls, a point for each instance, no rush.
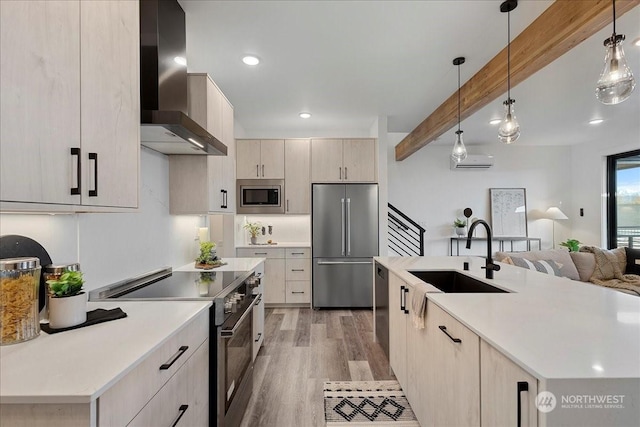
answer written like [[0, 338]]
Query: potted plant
[[572, 244], [207, 258], [254, 229], [459, 226], [67, 302]]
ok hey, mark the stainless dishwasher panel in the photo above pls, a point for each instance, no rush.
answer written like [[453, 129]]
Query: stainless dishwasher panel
[[382, 306]]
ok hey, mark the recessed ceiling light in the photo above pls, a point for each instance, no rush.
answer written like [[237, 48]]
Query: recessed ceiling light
[[494, 121], [180, 60], [305, 115], [251, 60], [596, 121]]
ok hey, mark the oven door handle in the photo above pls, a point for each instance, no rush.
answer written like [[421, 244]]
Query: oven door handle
[[229, 333]]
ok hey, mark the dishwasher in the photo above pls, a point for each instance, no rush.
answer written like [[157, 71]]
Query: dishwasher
[[382, 306]]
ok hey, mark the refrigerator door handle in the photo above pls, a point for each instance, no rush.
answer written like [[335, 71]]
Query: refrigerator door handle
[[342, 225], [348, 226], [343, 262]]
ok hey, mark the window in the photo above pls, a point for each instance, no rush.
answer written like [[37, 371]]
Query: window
[[623, 182]]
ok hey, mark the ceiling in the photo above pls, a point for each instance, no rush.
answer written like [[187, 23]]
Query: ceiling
[[349, 62]]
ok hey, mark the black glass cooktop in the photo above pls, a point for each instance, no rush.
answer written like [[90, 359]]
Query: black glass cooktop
[[183, 285]]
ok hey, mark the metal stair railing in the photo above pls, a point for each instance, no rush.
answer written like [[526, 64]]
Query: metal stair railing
[[406, 237]]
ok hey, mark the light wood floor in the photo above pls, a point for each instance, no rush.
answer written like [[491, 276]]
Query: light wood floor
[[302, 349]]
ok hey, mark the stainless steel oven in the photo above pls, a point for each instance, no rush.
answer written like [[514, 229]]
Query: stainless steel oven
[[260, 196]]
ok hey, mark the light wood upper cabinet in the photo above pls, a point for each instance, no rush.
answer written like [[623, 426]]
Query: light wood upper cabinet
[[343, 160], [260, 159], [204, 184], [248, 159], [502, 388], [297, 162], [110, 102], [66, 86], [272, 158]]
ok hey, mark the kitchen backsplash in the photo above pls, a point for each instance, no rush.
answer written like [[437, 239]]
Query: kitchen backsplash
[[284, 228]]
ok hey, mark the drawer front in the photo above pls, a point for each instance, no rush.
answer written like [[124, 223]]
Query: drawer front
[[120, 403], [184, 396], [298, 253], [298, 291], [260, 252], [298, 269]]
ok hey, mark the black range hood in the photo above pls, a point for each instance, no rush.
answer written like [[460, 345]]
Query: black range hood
[[165, 125]]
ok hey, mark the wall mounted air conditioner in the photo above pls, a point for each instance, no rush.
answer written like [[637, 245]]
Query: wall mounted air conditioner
[[473, 162]]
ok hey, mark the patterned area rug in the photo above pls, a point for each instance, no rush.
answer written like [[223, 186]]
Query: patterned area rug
[[367, 403]]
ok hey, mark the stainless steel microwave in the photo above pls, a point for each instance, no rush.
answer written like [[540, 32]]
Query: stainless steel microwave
[[260, 196]]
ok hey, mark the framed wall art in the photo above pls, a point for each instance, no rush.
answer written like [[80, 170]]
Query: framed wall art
[[508, 212]]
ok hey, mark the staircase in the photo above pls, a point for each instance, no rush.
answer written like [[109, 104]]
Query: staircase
[[406, 237]]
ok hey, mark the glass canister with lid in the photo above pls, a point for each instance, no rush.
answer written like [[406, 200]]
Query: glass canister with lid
[[19, 310]]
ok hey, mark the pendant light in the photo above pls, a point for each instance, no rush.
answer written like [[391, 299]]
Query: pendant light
[[459, 152], [509, 130], [616, 81]]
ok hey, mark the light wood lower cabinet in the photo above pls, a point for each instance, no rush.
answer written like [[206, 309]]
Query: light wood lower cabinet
[[398, 329], [504, 388]]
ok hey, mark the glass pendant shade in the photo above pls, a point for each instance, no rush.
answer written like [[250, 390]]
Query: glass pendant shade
[[459, 152], [509, 130], [616, 81]]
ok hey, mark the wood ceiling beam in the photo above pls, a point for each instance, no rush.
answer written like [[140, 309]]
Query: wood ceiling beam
[[564, 24]]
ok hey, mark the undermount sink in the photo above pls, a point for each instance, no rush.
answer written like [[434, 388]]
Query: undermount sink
[[453, 282]]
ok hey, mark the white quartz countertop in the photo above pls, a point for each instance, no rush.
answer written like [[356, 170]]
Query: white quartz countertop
[[77, 366], [555, 328], [277, 245], [232, 264]]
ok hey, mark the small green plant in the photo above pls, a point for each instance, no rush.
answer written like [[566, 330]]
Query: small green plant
[[207, 277], [572, 244], [207, 255], [253, 228], [459, 223], [69, 284]]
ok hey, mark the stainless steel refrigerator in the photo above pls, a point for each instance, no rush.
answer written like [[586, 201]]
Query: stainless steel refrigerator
[[344, 240]]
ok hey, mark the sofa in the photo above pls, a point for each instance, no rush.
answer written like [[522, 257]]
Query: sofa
[[617, 268]]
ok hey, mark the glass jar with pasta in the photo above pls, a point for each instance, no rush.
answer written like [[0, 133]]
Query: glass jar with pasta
[[19, 310]]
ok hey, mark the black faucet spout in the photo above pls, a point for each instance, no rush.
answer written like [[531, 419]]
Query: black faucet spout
[[489, 264]]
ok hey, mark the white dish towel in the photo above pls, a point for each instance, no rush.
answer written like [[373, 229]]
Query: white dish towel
[[419, 304]]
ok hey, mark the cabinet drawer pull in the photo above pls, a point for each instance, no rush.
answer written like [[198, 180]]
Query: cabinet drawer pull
[[222, 206], [259, 335], [297, 269], [406, 291], [259, 253], [522, 386], [76, 152], [182, 410], [287, 205], [263, 171], [175, 357], [401, 298], [340, 170], [94, 192], [258, 171], [444, 329], [297, 292], [297, 253], [345, 173]]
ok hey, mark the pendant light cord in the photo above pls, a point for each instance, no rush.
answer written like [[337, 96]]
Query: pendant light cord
[[509, 55], [458, 97], [614, 19]]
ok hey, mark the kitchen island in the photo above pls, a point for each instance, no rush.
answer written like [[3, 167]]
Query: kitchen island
[[579, 341]]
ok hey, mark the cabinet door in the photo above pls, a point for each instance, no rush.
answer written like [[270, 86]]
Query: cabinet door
[[502, 388], [326, 160], [397, 329], [248, 159], [197, 386], [229, 162], [420, 365], [40, 100], [297, 178], [451, 393], [274, 288], [358, 158], [215, 173], [110, 102], [272, 159]]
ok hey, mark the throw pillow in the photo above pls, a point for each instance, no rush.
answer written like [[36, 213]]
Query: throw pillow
[[633, 261], [560, 256], [585, 264], [546, 266]]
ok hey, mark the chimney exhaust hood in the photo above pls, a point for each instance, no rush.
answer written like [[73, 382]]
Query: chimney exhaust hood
[[165, 125]]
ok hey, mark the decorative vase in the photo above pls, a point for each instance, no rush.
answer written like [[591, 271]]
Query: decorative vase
[[67, 311], [460, 231], [254, 240]]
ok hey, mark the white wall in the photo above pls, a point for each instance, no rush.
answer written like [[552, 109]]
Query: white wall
[[424, 187], [114, 246]]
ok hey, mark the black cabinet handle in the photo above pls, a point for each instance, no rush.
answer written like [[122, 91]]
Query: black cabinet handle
[[259, 335], [444, 329], [522, 386], [406, 291], [94, 192], [76, 152], [259, 253], [263, 171], [340, 169], [297, 292], [226, 199], [182, 410], [345, 173], [297, 253], [258, 171], [223, 204], [175, 357], [297, 269]]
